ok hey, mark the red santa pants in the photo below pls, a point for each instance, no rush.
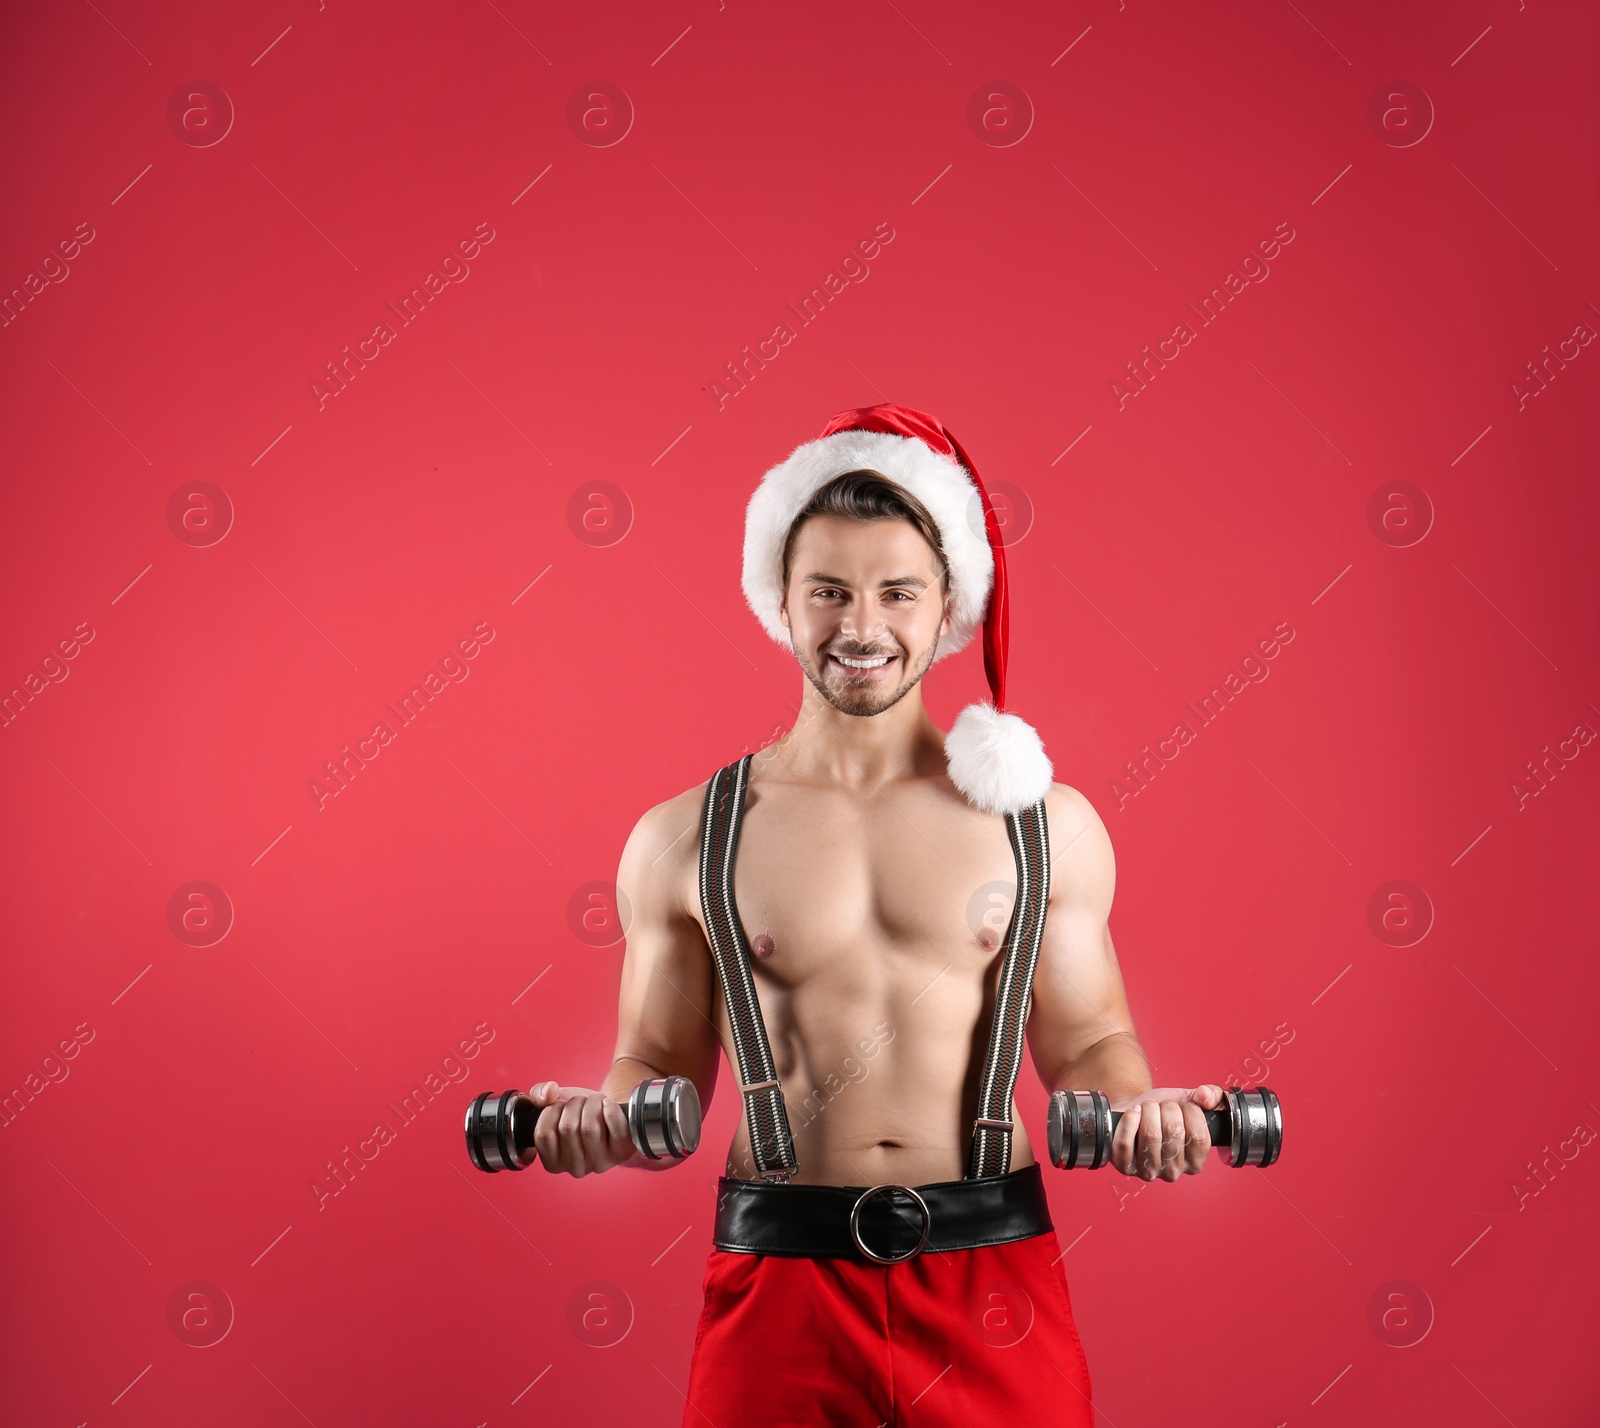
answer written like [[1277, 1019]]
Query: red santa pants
[[962, 1337]]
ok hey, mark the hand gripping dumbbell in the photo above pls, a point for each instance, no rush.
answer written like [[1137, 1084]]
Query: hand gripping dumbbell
[[1248, 1125], [663, 1121]]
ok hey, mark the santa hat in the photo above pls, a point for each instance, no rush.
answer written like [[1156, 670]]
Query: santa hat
[[996, 759]]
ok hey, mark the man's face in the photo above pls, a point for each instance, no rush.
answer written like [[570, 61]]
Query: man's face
[[867, 591]]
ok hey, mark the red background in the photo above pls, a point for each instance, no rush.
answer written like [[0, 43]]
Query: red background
[[431, 896]]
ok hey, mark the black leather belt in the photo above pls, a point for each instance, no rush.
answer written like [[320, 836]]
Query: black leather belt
[[886, 1224]]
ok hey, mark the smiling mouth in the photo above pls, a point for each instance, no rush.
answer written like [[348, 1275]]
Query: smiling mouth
[[858, 667]]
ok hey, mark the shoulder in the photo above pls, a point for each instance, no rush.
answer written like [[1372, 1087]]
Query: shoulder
[[1081, 858], [661, 857]]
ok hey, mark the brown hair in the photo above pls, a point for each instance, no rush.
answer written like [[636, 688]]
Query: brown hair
[[868, 496]]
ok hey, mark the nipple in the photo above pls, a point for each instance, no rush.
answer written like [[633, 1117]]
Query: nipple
[[762, 946], [988, 937]]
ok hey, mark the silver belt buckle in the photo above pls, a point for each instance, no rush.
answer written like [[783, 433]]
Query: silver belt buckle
[[855, 1225]]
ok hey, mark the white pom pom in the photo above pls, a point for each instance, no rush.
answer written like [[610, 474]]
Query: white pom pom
[[996, 760]]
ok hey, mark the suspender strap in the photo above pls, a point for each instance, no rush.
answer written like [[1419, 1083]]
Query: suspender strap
[[771, 1144], [991, 1137]]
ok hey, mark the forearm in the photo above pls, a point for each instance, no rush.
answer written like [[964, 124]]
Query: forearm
[[1115, 1065], [626, 1072]]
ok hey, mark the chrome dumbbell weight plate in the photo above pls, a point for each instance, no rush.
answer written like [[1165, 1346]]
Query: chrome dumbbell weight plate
[[663, 1122], [664, 1118], [1249, 1124]]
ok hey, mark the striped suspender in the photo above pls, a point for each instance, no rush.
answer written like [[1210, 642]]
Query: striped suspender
[[991, 1136], [770, 1142]]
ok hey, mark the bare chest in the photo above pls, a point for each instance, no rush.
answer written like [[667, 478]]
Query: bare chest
[[871, 895]]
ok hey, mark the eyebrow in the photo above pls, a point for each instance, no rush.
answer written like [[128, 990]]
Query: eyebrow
[[816, 578]]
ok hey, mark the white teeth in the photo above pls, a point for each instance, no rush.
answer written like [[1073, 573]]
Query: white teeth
[[863, 663]]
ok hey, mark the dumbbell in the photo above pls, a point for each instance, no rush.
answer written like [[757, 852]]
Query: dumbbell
[[663, 1122], [1249, 1125]]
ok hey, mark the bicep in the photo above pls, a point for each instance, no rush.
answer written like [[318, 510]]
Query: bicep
[[666, 1000], [1078, 996]]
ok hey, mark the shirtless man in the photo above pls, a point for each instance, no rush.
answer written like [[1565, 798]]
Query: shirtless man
[[875, 895]]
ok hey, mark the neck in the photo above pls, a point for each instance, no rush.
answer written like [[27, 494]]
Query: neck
[[857, 752]]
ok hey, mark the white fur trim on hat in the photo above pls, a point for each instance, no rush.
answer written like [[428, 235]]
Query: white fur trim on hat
[[937, 481], [996, 760]]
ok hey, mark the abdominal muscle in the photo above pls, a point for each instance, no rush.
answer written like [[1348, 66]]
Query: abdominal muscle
[[878, 1089]]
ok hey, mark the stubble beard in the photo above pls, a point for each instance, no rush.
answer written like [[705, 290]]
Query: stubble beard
[[864, 703]]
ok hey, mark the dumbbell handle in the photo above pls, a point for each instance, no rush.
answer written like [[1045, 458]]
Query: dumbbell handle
[[1249, 1125], [663, 1123]]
